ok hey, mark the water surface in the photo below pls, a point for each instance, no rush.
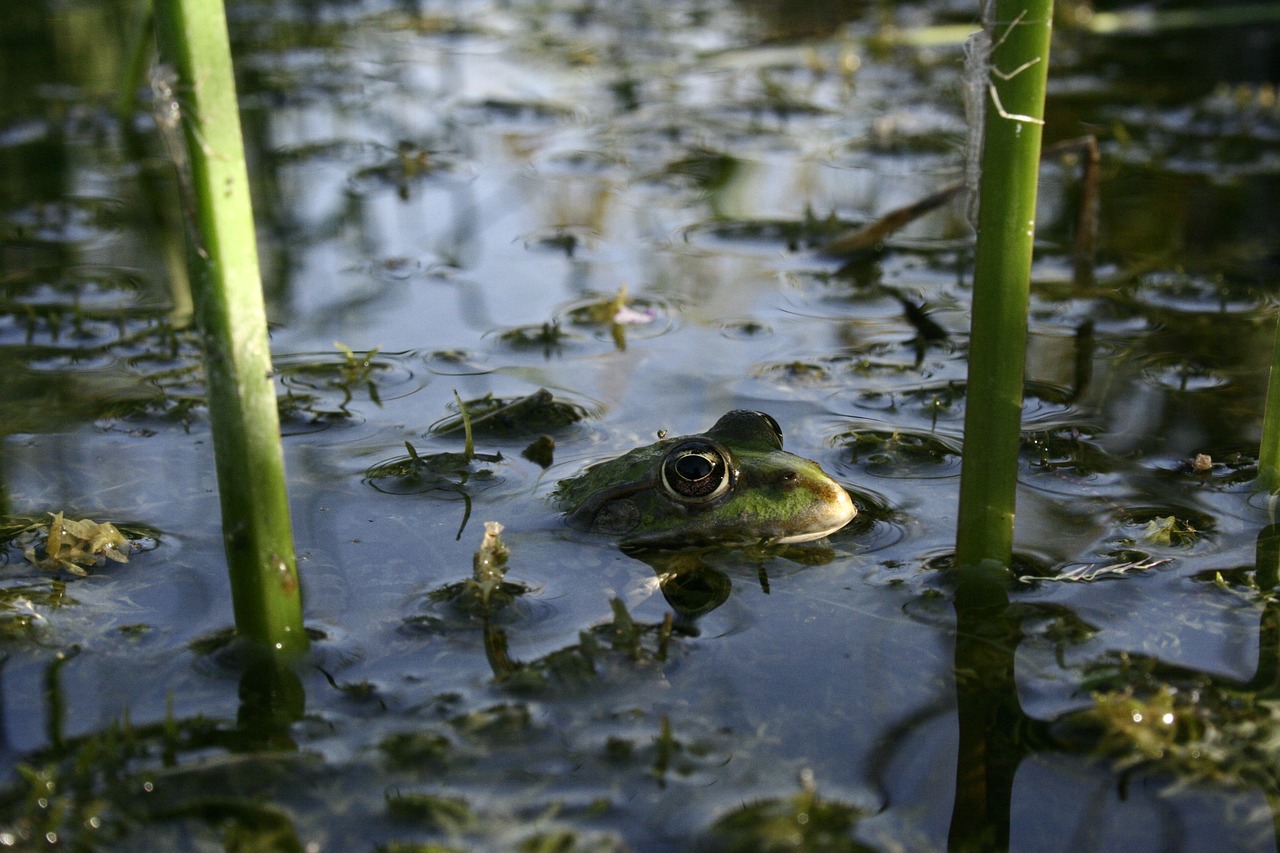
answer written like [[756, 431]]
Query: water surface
[[441, 190]]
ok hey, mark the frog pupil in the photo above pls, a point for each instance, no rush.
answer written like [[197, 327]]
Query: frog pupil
[[694, 466]]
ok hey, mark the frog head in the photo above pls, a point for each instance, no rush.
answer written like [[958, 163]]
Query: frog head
[[733, 484]]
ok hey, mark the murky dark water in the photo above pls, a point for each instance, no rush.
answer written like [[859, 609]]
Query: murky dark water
[[450, 185]]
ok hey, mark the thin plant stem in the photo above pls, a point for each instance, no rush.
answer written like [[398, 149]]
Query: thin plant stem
[[141, 46], [1012, 86], [227, 292], [1269, 451]]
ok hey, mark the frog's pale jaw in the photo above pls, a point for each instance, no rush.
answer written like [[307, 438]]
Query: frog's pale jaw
[[838, 511], [809, 537]]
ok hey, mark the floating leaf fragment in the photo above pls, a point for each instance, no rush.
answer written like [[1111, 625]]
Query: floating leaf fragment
[[75, 545], [1168, 530]]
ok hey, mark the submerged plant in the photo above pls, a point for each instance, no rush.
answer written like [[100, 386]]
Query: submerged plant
[[540, 451], [1093, 571], [619, 645], [548, 337], [305, 380], [85, 793], [452, 815], [801, 822], [1190, 725], [487, 591], [450, 472], [809, 232], [1134, 728], [489, 564], [894, 448], [481, 598], [511, 417]]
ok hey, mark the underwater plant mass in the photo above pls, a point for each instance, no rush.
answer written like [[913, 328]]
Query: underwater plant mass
[[534, 273]]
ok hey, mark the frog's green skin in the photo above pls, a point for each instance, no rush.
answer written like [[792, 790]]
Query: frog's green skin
[[732, 484]]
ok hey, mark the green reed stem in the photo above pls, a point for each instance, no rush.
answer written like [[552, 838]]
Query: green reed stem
[[1269, 452], [1019, 34], [135, 70], [227, 290]]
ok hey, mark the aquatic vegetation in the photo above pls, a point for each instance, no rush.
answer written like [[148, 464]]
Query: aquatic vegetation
[[617, 314], [704, 168], [1131, 728], [76, 546], [602, 654], [446, 474], [804, 821], [407, 164], [89, 791], [85, 310], [871, 237], [499, 417], [548, 337], [797, 372], [811, 231], [415, 847], [23, 609], [458, 473], [1168, 530], [452, 815], [1069, 451], [486, 593], [1189, 726], [309, 381], [419, 750], [889, 450], [564, 238], [489, 565], [540, 451], [1161, 528]]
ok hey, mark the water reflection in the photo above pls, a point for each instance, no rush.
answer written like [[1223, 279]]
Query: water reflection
[[993, 730]]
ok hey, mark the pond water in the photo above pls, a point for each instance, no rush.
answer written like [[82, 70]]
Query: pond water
[[444, 190]]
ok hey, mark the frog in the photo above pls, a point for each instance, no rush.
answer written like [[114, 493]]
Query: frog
[[733, 484]]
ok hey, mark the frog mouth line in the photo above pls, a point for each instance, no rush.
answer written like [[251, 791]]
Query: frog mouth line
[[809, 537]]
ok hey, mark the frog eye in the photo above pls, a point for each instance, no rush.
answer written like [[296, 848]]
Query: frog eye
[[696, 472]]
